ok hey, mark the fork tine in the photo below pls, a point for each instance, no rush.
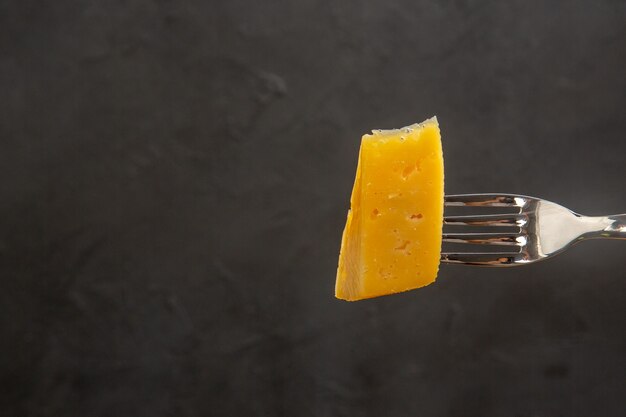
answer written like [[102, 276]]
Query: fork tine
[[486, 200], [488, 220], [485, 259], [509, 239]]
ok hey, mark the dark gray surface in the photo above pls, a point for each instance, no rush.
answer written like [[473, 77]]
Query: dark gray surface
[[175, 178]]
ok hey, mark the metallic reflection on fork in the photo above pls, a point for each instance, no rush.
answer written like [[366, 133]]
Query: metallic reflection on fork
[[544, 229]]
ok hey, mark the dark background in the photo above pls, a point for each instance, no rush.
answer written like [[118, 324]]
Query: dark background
[[175, 176]]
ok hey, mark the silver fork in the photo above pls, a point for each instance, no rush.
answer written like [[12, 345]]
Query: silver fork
[[544, 229]]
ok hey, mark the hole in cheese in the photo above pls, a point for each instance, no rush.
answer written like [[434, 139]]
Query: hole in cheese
[[403, 245], [408, 170]]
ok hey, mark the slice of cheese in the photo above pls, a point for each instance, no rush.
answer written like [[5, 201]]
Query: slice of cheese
[[392, 239]]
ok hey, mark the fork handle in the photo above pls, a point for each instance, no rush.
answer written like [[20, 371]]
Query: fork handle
[[615, 229]]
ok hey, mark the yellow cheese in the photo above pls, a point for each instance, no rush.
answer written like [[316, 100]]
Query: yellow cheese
[[392, 239]]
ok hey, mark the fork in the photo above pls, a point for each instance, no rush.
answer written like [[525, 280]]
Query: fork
[[544, 229]]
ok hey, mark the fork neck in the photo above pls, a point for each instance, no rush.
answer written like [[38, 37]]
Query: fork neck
[[609, 227]]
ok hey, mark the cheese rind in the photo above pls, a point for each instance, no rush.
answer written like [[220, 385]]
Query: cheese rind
[[392, 239]]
